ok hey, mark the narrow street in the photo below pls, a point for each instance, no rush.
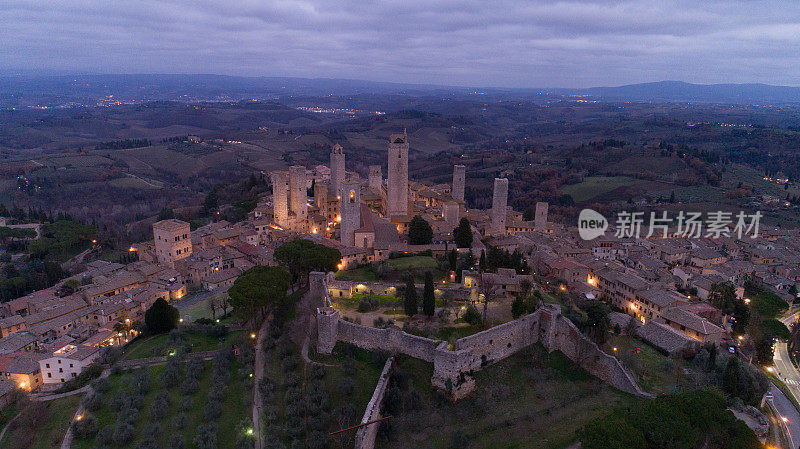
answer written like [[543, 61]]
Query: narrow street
[[790, 376]]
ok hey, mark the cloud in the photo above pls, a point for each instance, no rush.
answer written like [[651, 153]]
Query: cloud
[[481, 43]]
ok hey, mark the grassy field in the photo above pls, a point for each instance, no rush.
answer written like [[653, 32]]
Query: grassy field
[[655, 372], [42, 424], [593, 186], [163, 344], [530, 400]]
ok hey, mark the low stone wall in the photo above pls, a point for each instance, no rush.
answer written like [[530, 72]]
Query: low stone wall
[[365, 436]]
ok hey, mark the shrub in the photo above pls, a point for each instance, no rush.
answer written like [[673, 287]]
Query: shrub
[[86, 427], [93, 401], [347, 386], [186, 404], [190, 386], [176, 441], [206, 436], [104, 436], [123, 434], [212, 411], [179, 420], [472, 316], [101, 385]]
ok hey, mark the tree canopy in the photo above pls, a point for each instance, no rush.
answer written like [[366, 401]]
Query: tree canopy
[[300, 256], [462, 234], [260, 289], [675, 421], [723, 297], [419, 231], [161, 317]]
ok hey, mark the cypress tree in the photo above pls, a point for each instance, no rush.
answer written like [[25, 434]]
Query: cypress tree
[[428, 297], [410, 300]]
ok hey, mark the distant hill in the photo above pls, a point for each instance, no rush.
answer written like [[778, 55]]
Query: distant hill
[[678, 91], [88, 90]]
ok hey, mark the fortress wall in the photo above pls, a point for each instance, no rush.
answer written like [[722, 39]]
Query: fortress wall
[[584, 352], [499, 342], [365, 436]]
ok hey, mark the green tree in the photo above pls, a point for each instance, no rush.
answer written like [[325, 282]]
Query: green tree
[[597, 321], [419, 231], [301, 256], [462, 234], [410, 299], [723, 297], [260, 289], [428, 296], [161, 317]]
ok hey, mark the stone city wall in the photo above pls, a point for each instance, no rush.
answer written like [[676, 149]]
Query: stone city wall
[[365, 436], [452, 369]]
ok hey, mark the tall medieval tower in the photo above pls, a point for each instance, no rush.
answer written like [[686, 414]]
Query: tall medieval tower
[[350, 205], [397, 178], [375, 178], [337, 169], [280, 199], [459, 178], [499, 209], [298, 195]]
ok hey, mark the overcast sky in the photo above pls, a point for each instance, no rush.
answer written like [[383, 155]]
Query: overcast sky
[[473, 43]]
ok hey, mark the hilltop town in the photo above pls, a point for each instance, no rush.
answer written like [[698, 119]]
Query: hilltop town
[[488, 277]]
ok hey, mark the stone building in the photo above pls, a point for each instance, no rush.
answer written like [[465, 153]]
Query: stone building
[[173, 241]]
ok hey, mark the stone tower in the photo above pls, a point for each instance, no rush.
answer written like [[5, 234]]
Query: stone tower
[[499, 203], [459, 178], [540, 219], [337, 169], [350, 205], [321, 198], [280, 199], [450, 214], [397, 178], [375, 178], [298, 195]]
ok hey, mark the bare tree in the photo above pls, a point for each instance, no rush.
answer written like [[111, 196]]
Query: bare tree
[[213, 305], [224, 303], [487, 288]]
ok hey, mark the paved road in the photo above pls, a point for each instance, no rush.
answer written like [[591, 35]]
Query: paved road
[[786, 409], [789, 374]]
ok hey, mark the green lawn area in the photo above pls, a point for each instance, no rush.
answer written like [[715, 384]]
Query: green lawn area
[[163, 344], [200, 309], [593, 186], [42, 425], [412, 262], [417, 265], [655, 372], [364, 274], [530, 400], [236, 407]]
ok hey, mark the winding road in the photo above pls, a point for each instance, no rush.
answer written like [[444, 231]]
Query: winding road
[[788, 373]]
